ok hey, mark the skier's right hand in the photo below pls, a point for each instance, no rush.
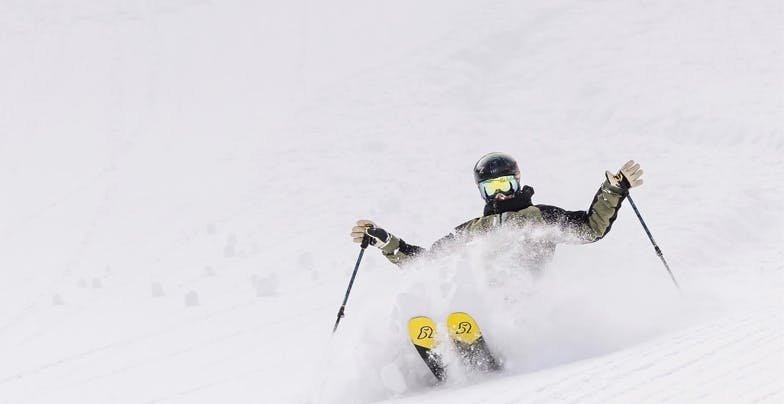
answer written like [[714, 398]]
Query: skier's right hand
[[376, 236]]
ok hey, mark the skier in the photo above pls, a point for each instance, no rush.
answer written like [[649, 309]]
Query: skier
[[508, 204]]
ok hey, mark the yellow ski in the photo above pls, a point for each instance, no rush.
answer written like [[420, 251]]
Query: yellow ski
[[423, 334], [471, 346]]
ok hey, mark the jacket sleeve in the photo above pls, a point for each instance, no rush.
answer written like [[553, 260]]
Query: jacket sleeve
[[593, 224], [399, 252]]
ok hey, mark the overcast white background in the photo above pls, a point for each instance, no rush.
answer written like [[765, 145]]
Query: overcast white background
[[178, 180]]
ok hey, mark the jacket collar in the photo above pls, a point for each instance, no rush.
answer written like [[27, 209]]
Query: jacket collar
[[521, 200]]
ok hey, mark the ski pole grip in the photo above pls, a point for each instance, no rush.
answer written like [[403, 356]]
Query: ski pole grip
[[365, 241]]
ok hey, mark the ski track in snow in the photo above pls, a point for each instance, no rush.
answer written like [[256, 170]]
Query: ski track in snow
[[151, 250]]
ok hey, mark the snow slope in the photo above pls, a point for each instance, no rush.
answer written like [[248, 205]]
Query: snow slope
[[179, 179], [690, 365]]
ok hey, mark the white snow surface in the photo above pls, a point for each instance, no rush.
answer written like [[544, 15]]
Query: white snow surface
[[179, 179]]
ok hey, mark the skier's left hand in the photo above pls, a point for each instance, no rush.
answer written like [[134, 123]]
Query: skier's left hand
[[628, 176]]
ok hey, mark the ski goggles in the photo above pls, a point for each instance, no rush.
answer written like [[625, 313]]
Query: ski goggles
[[506, 185]]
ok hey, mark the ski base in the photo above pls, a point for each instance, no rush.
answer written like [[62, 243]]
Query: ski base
[[471, 346], [466, 336], [422, 331]]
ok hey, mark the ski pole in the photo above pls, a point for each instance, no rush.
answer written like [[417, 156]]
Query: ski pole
[[656, 247], [341, 312]]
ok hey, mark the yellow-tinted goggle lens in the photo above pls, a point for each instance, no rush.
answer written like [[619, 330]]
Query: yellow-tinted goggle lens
[[506, 185]]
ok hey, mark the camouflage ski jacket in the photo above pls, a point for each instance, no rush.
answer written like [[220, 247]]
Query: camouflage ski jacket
[[520, 213]]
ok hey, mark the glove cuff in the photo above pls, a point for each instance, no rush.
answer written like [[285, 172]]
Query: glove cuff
[[391, 246], [608, 186]]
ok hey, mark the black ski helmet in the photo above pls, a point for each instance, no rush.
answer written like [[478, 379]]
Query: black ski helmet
[[493, 165]]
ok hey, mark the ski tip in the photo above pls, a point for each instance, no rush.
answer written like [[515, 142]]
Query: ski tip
[[463, 328], [422, 331]]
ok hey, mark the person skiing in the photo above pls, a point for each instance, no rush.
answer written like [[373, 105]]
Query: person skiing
[[508, 205]]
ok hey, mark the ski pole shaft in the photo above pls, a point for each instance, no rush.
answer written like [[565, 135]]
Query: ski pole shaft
[[341, 312], [655, 246]]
